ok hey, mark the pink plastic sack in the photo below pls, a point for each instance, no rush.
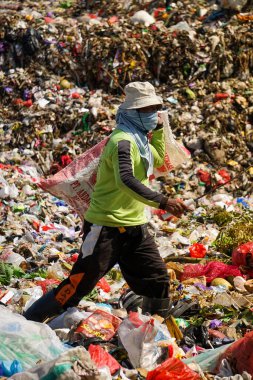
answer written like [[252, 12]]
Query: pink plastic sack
[[211, 271], [74, 183], [240, 355], [173, 369], [103, 358]]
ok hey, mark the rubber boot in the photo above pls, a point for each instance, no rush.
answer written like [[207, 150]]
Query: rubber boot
[[45, 307], [159, 306]]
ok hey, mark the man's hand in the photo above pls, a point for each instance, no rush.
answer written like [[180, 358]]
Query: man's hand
[[176, 207]]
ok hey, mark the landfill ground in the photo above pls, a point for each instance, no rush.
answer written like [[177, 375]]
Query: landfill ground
[[63, 67]]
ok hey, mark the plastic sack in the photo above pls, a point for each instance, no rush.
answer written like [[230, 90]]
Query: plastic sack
[[235, 5], [26, 341], [211, 271], [74, 183], [103, 358], [140, 336], [240, 355], [173, 369], [176, 154], [240, 254]]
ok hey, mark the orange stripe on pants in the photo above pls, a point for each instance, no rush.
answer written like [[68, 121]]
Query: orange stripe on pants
[[69, 290]]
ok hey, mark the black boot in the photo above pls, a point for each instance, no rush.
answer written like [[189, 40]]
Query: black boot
[[160, 306], [45, 307]]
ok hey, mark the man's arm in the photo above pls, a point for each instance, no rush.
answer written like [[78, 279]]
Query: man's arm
[[125, 179]]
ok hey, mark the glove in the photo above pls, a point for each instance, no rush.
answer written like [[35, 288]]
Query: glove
[[176, 207]]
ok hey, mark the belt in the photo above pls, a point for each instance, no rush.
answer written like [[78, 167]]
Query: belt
[[123, 230]]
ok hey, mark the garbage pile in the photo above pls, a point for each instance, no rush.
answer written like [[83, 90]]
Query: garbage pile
[[62, 68]]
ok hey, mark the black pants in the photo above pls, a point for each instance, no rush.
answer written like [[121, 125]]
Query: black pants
[[133, 248]]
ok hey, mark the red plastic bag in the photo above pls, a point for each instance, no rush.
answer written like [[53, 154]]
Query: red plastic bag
[[240, 254], [197, 250], [173, 369], [204, 176], [103, 284], [103, 358], [226, 177], [240, 355], [211, 271]]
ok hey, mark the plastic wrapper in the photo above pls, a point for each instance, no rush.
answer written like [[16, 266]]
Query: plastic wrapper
[[99, 324]]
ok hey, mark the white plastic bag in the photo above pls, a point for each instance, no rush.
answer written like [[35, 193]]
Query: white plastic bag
[[26, 341], [74, 183], [175, 154], [66, 320], [140, 335], [142, 17]]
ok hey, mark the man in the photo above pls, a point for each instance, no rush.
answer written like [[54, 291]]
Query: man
[[115, 229]]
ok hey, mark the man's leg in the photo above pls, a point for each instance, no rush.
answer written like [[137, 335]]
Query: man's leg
[[97, 256], [145, 271]]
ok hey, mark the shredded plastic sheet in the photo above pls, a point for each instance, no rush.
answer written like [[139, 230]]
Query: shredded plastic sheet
[[211, 271]]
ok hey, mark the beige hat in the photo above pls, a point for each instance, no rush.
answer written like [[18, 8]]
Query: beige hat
[[140, 94]]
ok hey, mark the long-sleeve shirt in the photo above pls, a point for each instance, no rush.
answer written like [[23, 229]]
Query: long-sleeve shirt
[[121, 191]]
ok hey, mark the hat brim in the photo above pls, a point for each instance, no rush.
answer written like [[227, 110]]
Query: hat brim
[[141, 103]]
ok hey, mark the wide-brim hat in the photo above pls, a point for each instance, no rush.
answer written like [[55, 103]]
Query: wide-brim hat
[[140, 94]]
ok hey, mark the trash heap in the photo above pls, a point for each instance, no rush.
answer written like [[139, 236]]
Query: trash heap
[[62, 68]]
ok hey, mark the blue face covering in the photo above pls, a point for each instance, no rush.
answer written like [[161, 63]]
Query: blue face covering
[[138, 124], [149, 120]]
